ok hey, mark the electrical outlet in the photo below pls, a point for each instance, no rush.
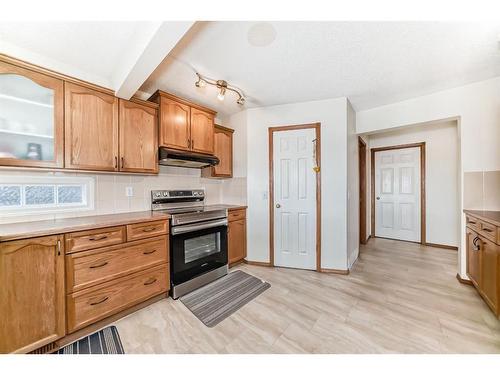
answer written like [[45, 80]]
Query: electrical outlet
[[264, 195], [129, 191]]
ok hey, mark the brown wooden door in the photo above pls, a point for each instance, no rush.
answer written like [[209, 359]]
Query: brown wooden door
[[32, 307], [138, 138], [34, 120], [237, 241], [202, 131], [174, 124], [223, 149], [473, 256], [490, 269], [91, 125]]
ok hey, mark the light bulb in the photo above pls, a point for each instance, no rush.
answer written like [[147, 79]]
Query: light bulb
[[222, 93], [202, 83]]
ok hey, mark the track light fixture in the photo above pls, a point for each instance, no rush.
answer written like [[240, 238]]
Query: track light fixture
[[222, 85]]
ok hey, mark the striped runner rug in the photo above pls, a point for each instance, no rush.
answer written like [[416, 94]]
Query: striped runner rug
[[214, 302], [106, 341]]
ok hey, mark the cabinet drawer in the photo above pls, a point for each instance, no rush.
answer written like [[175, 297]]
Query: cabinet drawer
[[236, 215], [96, 303], [488, 230], [93, 267], [472, 222], [93, 239], [146, 230]]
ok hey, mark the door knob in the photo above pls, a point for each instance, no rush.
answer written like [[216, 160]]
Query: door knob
[[378, 198], [278, 205]]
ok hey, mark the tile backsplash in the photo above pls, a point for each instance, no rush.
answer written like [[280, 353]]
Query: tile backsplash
[[110, 190], [482, 190]]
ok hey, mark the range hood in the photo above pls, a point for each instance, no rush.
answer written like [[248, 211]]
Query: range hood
[[184, 159]]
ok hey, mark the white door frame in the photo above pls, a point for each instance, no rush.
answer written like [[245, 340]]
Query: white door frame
[[317, 127], [422, 185]]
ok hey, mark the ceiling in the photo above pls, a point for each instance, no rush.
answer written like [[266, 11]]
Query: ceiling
[[371, 63]]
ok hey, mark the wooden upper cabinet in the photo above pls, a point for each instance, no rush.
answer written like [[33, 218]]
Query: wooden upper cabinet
[[138, 138], [184, 125], [31, 118], [223, 149], [32, 302], [91, 129], [202, 131], [175, 122]]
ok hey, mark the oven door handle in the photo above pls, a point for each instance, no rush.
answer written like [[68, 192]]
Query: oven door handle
[[199, 226]]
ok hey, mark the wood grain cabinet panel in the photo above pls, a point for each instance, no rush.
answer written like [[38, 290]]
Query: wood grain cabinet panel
[[93, 304], [91, 129], [473, 256], [175, 124], [32, 309], [89, 268], [94, 238], [19, 91], [223, 149], [145, 230], [237, 241], [202, 131], [490, 273], [138, 138]]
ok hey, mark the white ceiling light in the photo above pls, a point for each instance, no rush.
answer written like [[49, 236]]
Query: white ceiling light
[[261, 34]]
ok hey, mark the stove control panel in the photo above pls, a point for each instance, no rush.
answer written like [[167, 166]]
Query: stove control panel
[[172, 196]]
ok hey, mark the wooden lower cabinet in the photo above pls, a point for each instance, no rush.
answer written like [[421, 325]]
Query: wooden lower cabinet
[[32, 308], [483, 260], [92, 304], [237, 236], [473, 253]]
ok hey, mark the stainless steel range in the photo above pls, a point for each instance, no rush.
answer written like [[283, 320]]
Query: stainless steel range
[[198, 238]]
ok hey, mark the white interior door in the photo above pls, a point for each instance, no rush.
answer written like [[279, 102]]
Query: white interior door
[[397, 194], [294, 199]]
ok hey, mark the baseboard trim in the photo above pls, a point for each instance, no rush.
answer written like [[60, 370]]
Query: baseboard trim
[[254, 263], [333, 270], [439, 246], [463, 281]]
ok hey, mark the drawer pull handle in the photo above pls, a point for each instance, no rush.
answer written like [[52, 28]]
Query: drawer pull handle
[[488, 230], [99, 265], [98, 238], [149, 229], [151, 281], [474, 242], [472, 222], [99, 302], [149, 252]]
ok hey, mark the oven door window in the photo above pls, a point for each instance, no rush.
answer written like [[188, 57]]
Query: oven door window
[[201, 247]]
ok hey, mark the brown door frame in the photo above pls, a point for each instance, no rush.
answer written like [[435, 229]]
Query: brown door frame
[[422, 185], [317, 127], [362, 190]]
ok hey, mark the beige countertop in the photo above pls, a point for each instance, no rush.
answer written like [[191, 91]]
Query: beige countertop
[[492, 217], [16, 231]]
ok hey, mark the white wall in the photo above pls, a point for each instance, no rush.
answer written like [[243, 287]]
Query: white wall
[[441, 176], [352, 187], [333, 118], [478, 108]]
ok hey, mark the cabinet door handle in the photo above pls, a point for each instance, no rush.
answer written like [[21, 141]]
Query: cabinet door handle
[[149, 252], [474, 242], [151, 281], [122, 160], [99, 302], [99, 265], [150, 229], [58, 247], [98, 238], [116, 162]]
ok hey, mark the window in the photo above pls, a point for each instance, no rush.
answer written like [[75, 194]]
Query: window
[[24, 195]]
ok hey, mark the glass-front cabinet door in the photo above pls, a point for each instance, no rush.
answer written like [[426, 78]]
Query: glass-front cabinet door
[[31, 118]]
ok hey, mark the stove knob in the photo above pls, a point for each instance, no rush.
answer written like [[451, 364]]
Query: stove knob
[[157, 194], [165, 194]]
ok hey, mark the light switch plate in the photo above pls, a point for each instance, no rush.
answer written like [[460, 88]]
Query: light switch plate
[[129, 191]]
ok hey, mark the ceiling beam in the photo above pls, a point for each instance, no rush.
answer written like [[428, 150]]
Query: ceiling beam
[[146, 52]]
